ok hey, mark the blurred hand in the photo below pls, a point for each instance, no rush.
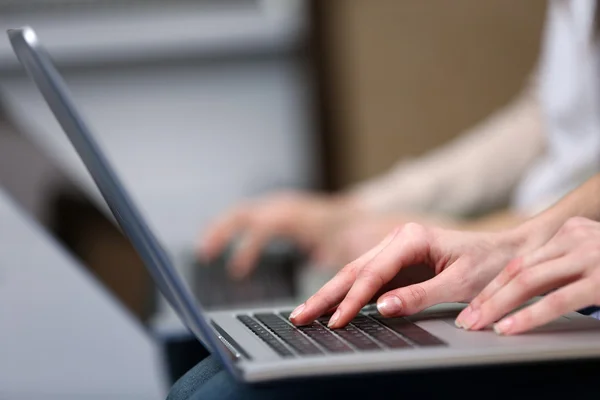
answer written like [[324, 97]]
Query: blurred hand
[[569, 262], [463, 264], [304, 218]]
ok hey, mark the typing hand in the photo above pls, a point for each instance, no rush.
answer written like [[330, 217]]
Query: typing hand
[[464, 263], [303, 218], [568, 262], [360, 234]]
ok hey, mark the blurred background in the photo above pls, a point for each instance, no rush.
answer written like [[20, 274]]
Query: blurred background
[[200, 104]]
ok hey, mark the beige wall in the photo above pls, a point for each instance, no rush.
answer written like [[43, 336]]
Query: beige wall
[[411, 74]]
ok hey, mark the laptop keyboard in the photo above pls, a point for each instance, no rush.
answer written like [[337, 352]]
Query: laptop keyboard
[[364, 333]]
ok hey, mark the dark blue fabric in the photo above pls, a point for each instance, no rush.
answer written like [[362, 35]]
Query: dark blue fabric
[[576, 379], [195, 378], [589, 310]]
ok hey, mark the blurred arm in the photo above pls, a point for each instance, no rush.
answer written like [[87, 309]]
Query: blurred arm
[[473, 173]]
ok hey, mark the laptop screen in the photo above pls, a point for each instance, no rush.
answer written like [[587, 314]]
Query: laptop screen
[[41, 70]]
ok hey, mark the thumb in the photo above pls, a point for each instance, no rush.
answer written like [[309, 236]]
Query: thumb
[[414, 298]]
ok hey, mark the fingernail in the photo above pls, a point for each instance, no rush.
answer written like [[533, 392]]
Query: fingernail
[[334, 319], [504, 326], [469, 320], [460, 318], [391, 305], [297, 311]]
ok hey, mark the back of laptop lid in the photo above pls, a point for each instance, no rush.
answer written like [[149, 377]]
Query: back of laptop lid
[[41, 70]]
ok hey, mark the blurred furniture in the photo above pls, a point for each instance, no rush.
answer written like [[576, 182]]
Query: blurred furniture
[[398, 78], [63, 337], [197, 104]]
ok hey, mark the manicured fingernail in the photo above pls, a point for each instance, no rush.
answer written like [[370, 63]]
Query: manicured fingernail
[[390, 305], [503, 327], [334, 319], [460, 318], [297, 311], [469, 320]]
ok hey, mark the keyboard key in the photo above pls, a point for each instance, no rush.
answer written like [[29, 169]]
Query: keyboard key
[[356, 338], [325, 338], [411, 331], [379, 332], [288, 333], [265, 336]]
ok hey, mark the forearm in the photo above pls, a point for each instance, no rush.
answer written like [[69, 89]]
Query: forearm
[[474, 173]]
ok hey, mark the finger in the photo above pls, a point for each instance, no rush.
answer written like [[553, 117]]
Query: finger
[[407, 248], [515, 267], [572, 297], [504, 277], [219, 234], [246, 255], [334, 291], [532, 282], [414, 298]]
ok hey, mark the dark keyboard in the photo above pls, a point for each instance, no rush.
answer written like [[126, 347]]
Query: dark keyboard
[[379, 332], [267, 337], [354, 336], [289, 334], [364, 333]]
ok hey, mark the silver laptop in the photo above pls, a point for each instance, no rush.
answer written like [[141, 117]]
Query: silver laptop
[[258, 345]]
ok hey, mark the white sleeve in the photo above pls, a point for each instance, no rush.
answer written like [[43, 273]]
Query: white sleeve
[[474, 173]]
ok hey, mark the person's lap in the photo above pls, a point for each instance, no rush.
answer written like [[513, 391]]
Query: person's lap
[[209, 381]]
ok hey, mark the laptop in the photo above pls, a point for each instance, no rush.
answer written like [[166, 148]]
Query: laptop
[[275, 278], [259, 344]]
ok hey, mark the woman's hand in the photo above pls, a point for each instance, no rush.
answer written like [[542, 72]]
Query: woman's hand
[[359, 234], [569, 262], [304, 218], [464, 263]]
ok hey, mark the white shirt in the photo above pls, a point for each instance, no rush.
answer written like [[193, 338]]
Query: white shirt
[[526, 155], [569, 95]]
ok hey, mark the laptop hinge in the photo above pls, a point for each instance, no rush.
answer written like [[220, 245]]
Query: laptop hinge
[[235, 351]]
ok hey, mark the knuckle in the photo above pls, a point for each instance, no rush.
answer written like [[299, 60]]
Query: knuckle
[[415, 295], [370, 280], [525, 279], [350, 270], [413, 229], [514, 268]]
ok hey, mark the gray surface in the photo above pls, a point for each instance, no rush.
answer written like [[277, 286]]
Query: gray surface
[[571, 336], [62, 335]]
